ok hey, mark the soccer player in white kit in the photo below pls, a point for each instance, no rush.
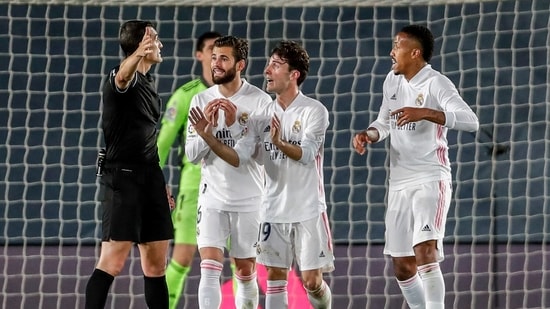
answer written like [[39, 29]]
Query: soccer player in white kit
[[229, 198], [419, 105], [288, 139]]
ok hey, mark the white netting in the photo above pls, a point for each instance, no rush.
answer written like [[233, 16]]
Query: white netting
[[262, 3], [53, 58]]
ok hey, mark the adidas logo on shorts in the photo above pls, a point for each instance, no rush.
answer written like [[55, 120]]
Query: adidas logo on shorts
[[426, 228], [322, 254]]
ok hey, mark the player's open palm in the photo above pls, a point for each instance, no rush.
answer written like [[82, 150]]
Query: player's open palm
[[199, 120], [275, 130]]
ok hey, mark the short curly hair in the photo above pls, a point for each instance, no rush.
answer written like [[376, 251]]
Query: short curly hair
[[424, 36], [296, 57], [240, 46]]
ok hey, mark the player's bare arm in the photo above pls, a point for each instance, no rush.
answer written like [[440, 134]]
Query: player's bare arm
[[130, 64], [412, 114], [292, 151], [204, 129], [362, 138]]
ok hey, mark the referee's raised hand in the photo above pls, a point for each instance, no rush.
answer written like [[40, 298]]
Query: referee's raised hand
[[146, 45]]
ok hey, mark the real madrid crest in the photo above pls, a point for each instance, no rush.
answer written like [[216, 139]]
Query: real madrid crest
[[243, 119], [419, 100], [297, 127]]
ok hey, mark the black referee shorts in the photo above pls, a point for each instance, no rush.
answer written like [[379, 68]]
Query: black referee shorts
[[135, 205]]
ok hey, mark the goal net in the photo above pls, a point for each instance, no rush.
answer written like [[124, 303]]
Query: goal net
[[55, 54]]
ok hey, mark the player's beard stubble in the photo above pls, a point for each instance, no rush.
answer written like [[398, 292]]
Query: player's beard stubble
[[226, 78]]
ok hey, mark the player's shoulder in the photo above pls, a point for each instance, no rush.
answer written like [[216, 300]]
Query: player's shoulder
[[207, 94], [392, 81], [252, 89], [304, 99], [304, 104], [192, 85], [434, 78]]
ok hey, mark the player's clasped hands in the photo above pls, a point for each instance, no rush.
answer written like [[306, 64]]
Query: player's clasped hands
[[207, 119], [230, 111]]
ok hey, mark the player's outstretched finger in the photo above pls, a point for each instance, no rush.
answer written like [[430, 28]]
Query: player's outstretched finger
[[194, 116]]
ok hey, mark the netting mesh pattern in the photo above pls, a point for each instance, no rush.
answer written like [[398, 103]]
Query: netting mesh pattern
[[261, 3], [53, 58]]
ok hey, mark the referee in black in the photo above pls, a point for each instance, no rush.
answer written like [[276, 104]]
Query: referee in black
[[136, 202]]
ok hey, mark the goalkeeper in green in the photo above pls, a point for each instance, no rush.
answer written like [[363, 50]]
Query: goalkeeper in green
[[174, 124]]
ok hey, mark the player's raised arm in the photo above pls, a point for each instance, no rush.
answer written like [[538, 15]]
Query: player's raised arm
[[129, 65], [292, 151], [195, 146]]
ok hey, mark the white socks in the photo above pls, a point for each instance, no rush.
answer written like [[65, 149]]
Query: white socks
[[426, 289], [210, 293], [413, 292], [276, 296], [320, 298], [247, 296], [434, 285]]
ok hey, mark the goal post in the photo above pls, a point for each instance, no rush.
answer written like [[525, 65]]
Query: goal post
[[54, 56]]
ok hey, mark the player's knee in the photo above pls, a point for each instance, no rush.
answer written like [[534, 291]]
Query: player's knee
[[275, 273], [183, 254], [245, 267], [113, 268], [404, 267], [426, 252], [312, 280], [312, 285], [153, 267]]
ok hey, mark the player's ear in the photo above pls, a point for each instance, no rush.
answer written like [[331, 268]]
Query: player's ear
[[417, 52], [241, 65], [199, 55], [295, 74]]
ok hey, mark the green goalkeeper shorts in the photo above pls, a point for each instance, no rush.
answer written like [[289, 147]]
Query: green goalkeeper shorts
[[184, 217]]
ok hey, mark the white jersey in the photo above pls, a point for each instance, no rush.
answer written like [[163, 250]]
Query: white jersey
[[418, 150], [294, 189], [223, 186]]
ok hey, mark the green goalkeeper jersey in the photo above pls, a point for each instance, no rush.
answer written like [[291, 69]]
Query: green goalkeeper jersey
[[174, 125]]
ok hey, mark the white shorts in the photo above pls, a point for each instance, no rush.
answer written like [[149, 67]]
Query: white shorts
[[415, 215], [237, 231], [309, 243]]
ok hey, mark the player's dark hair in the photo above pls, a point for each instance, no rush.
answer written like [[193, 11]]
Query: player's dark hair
[[131, 33], [424, 36], [206, 36], [240, 46], [296, 57]]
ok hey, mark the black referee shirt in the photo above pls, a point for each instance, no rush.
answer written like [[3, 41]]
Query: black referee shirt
[[130, 118]]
